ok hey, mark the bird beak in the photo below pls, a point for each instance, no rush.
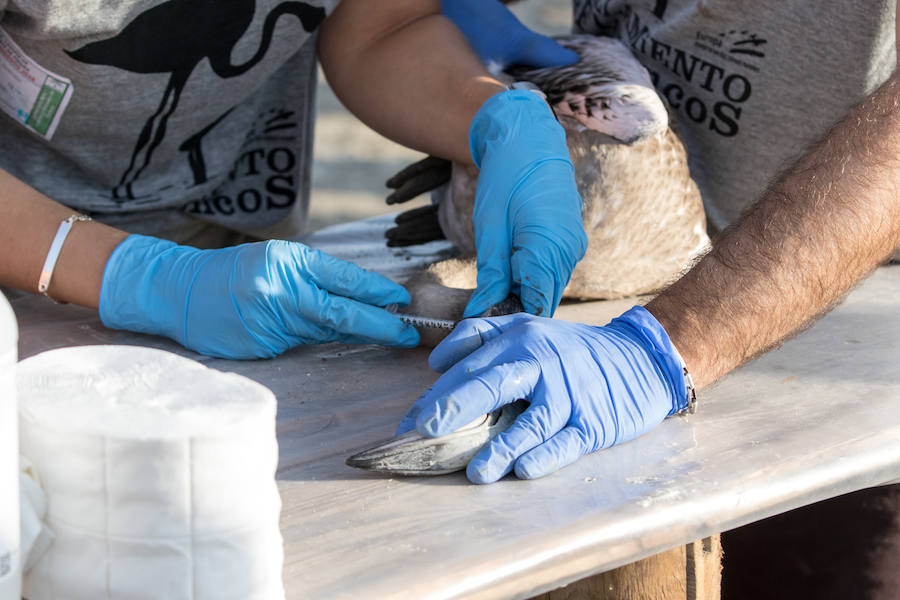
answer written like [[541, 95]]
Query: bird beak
[[414, 454]]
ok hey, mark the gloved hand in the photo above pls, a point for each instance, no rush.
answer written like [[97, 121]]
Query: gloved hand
[[497, 36], [589, 388], [528, 229], [249, 301]]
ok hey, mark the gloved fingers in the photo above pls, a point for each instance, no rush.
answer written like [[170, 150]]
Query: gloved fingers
[[408, 422], [493, 284], [540, 51], [540, 286], [347, 279], [492, 245], [490, 28], [538, 423], [467, 337], [497, 35], [485, 296], [562, 449], [268, 342], [536, 303], [347, 319], [345, 338], [445, 411], [548, 209], [548, 244]]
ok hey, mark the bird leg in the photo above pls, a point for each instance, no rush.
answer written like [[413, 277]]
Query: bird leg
[[416, 226], [442, 292], [429, 173]]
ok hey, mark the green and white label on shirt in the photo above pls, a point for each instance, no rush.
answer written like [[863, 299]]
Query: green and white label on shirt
[[29, 93]]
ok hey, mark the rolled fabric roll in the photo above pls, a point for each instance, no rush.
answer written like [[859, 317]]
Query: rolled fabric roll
[[158, 474], [36, 535]]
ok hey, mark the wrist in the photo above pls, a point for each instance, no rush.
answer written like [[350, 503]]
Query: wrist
[[59, 239], [686, 331], [519, 125], [143, 287], [645, 328], [77, 274]]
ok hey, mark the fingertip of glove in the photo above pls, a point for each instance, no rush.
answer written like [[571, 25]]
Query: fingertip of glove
[[376, 289], [472, 310], [545, 52], [566, 57], [478, 303], [530, 469], [478, 472], [406, 337], [464, 340], [438, 362], [409, 338], [405, 426], [489, 465], [536, 303], [399, 295]]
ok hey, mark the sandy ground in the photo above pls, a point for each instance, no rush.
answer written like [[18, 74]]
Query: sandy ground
[[352, 162]]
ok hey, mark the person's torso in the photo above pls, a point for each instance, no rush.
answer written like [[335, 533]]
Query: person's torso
[[752, 84], [199, 107]]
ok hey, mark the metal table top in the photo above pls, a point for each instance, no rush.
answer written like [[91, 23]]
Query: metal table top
[[814, 419]]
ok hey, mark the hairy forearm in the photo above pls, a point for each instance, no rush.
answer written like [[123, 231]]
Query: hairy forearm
[[823, 226], [29, 224], [406, 71]]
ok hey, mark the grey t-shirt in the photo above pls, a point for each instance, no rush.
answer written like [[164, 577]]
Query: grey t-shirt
[[176, 111], [753, 84]]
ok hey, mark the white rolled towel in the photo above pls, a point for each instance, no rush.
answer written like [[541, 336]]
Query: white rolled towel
[[158, 474], [36, 535]]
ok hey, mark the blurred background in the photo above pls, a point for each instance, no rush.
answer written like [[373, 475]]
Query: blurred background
[[351, 162]]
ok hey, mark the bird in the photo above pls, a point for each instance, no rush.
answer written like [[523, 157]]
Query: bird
[[642, 212], [174, 37]]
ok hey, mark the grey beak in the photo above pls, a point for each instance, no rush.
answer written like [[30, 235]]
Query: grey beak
[[413, 454]]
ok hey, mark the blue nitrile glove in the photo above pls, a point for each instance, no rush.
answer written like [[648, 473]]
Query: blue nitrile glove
[[249, 301], [497, 36], [528, 229], [589, 388]]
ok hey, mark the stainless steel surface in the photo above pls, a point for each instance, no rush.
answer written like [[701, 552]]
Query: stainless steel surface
[[814, 419]]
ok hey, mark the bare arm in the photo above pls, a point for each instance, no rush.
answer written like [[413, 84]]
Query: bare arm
[[29, 223], [406, 71], [375, 53], [828, 222]]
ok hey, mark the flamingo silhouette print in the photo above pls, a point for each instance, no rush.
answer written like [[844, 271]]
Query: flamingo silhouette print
[[174, 37]]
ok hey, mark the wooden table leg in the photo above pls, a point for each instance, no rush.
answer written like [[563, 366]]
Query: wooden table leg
[[691, 572]]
